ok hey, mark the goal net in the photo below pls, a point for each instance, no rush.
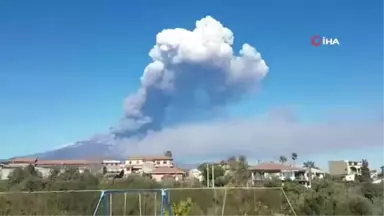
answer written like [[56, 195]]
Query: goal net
[[74, 202]]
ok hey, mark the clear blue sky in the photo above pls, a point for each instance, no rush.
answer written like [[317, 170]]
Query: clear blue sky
[[66, 66]]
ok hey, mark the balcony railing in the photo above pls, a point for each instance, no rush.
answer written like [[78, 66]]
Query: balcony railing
[[283, 178]]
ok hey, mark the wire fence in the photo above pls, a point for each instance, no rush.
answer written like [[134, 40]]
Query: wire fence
[[202, 201], [48, 203]]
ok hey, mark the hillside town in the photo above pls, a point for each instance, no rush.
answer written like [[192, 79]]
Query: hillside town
[[162, 167], [33, 186]]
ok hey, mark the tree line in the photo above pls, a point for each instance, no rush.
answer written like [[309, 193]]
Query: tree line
[[327, 196]]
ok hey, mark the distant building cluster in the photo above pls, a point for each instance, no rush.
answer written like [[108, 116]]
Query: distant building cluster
[[158, 167], [348, 170], [284, 172], [345, 168], [162, 167]]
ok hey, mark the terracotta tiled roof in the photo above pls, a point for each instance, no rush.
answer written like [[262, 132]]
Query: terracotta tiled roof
[[11, 165], [273, 166], [150, 158], [22, 160], [66, 162], [52, 162], [167, 170]]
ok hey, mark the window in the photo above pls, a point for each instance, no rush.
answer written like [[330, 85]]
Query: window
[[164, 162], [157, 162], [287, 174]]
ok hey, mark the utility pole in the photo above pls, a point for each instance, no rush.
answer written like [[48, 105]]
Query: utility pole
[[213, 185], [213, 175], [310, 177], [207, 174]]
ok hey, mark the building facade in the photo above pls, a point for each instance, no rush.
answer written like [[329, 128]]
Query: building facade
[[314, 173], [140, 164], [167, 173], [345, 168], [267, 171], [158, 167], [196, 174], [45, 167], [112, 166]]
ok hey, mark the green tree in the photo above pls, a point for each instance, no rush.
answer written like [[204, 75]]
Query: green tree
[[239, 174], [71, 179], [27, 178], [282, 159], [273, 182], [218, 173], [309, 164], [365, 172], [381, 174], [368, 189], [182, 208], [356, 205], [294, 157], [168, 153]]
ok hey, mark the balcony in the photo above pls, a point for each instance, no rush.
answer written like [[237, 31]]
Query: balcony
[[280, 177]]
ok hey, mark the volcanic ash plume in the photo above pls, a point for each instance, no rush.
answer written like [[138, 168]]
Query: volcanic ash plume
[[191, 72]]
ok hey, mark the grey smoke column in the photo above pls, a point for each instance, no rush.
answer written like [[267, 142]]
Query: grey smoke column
[[191, 72]]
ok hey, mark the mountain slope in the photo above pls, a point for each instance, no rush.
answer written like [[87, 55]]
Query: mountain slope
[[95, 148], [98, 147]]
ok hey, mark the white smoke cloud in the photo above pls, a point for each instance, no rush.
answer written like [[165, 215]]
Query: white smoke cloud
[[198, 70], [190, 70], [188, 63]]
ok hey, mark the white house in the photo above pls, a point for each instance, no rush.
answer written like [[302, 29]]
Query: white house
[[196, 173], [315, 173], [113, 166], [162, 173], [265, 171]]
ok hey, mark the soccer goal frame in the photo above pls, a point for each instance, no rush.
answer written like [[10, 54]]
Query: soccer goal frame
[[105, 194]]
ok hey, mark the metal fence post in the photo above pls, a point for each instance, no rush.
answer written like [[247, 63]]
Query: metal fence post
[[105, 204]]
